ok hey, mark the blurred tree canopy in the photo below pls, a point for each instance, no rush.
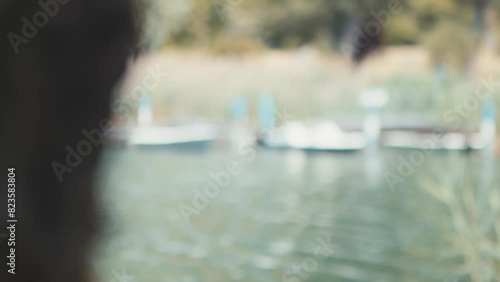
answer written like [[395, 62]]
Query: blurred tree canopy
[[450, 29]]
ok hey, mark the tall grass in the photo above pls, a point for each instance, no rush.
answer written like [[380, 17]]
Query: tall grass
[[471, 199]]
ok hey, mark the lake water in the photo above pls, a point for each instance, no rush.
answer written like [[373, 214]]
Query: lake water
[[286, 216]]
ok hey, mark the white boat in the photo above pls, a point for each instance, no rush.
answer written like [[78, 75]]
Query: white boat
[[428, 137], [432, 140], [321, 136], [178, 136], [146, 134]]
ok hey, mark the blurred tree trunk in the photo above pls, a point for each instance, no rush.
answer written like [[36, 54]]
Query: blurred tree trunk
[[479, 14]]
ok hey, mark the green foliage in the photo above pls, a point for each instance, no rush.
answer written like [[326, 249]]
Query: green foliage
[[452, 43], [236, 45], [403, 29], [428, 12], [448, 28]]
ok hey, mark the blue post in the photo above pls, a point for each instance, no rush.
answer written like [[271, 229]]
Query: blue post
[[266, 110], [372, 100], [488, 125], [486, 217], [238, 108], [145, 111]]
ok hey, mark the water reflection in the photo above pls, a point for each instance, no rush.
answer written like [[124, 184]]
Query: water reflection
[[268, 219]]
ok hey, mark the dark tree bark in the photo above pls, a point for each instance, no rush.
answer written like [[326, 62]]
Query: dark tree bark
[[365, 44], [479, 14]]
